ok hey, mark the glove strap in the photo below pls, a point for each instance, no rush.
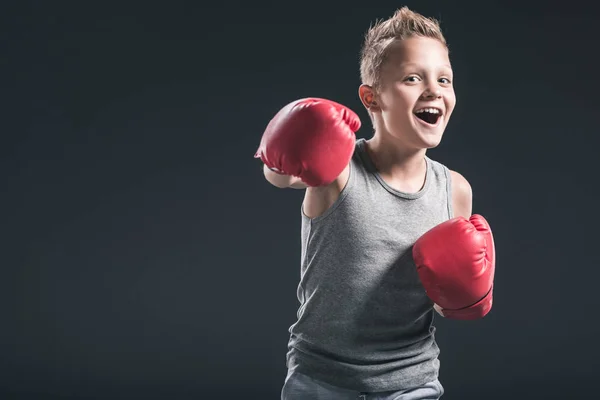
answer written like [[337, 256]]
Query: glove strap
[[473, 312]]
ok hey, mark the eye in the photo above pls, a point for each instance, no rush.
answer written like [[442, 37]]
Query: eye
[[444, 81], [412, 78]]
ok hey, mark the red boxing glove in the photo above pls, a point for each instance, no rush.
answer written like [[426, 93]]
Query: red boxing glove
[[312, 139], [456, 263]]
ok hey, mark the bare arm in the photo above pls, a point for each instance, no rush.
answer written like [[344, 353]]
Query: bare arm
[[316, 199], [282, 181], [462, 196]]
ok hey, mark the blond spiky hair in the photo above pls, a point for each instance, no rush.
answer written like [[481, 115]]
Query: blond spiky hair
[[402, 25]]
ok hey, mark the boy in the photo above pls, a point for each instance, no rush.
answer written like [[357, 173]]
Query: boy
[[387, 233]]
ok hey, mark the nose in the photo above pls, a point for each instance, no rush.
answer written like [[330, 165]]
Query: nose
[[432, 93]]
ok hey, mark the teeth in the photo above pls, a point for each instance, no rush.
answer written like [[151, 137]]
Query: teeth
[[429, 110]]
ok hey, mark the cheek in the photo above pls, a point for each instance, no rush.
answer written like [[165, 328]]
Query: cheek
[[394, 95], [397, 104], [450, 101]]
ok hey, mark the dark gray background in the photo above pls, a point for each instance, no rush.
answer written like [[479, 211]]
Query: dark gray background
[[145, 256]]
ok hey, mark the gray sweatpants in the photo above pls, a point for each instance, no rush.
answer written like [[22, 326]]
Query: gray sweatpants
[[301, 387]]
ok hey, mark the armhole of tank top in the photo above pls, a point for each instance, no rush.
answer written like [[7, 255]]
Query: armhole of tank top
[[449, 192], [338, 201]]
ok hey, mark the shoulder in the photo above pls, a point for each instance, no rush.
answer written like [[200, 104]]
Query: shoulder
[[462, 195]]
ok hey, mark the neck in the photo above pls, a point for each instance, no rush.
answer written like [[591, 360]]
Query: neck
[[394, 159]]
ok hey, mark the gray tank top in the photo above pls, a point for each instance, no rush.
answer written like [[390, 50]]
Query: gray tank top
[[365, 322]]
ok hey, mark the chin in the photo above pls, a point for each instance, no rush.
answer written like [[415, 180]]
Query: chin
[[430, 138], [430, 144]]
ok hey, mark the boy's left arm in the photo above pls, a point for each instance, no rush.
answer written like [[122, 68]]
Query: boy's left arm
[[462, 195], [456, 259]]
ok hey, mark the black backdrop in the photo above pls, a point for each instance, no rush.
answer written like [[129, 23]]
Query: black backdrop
[[144, 255]]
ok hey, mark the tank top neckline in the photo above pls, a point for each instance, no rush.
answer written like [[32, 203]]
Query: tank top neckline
[[372, 170]]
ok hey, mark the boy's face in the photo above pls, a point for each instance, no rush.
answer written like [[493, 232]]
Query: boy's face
[[416, 96]]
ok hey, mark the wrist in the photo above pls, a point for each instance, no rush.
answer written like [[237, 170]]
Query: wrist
[[277, 178]]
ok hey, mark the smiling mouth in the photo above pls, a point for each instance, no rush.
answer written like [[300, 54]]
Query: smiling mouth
[[429, 115]]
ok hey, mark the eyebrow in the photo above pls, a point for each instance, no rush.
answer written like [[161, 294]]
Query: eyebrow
[[417, 65]]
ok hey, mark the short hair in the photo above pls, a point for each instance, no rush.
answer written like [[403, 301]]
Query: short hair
[[403, 24]]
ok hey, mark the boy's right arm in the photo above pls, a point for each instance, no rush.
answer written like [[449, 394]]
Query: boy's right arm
[[308, 145], [282, 181], [317, 200]]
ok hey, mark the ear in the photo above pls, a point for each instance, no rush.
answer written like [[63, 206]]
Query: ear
[[368, 98]]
